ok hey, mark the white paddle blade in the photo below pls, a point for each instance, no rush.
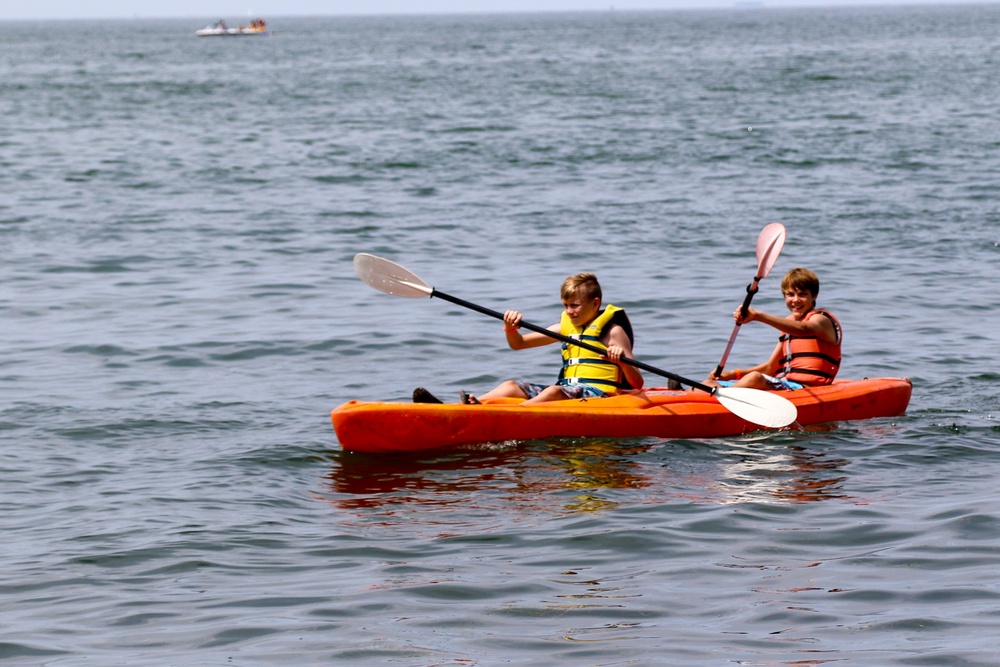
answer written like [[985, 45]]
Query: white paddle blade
[[769, 244], [389, 277], [764, 408]]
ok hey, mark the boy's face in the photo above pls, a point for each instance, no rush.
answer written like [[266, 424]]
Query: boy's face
[[581, 310], [799, 302]]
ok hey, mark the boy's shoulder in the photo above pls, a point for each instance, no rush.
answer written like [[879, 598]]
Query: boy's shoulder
[[619, 318]]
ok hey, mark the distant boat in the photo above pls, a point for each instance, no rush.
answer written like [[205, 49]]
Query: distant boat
[[220, 29]]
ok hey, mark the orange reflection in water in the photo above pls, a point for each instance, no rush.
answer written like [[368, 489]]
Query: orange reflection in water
[[512, 481], [535, 475]]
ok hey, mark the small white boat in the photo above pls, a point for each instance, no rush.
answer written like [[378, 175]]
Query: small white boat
[[220, 29]]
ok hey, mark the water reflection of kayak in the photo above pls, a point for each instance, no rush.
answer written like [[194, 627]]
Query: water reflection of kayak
[[408, 427]]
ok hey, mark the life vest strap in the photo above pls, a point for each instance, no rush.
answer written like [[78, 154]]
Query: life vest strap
[[569, 382], [812, 355], [804, 371], [575, 361]]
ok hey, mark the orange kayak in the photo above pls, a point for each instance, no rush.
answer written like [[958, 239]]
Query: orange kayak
[[410, 427]]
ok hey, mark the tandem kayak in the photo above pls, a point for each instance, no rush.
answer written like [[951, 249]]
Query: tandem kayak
[[373, 427]]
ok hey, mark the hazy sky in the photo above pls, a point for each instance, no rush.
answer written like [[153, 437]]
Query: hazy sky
[[235, 9]]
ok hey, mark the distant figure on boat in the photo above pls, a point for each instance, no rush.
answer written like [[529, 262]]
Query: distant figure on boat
[[256, 27]]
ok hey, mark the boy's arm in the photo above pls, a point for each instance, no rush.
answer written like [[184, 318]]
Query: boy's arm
[[773, 363], [769, 367], [619, 346], [518, 341], [817, 325]]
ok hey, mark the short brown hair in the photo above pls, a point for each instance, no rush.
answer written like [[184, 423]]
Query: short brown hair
[[800, 278], [583, 283]]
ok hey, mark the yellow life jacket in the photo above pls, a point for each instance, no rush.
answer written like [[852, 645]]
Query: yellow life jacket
[[809, 360], [586, 367]]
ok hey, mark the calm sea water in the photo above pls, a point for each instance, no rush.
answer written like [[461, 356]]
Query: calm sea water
[[179, 315]]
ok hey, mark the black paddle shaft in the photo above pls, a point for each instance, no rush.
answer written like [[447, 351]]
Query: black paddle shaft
[[751, 290], [571, 341], [744, 309]]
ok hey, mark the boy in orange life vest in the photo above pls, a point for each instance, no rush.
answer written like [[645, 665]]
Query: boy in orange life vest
[[808, 351], [584, 374]]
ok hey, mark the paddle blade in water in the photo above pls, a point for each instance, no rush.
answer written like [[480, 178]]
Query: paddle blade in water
[[770, 241], [389, 277], [766, 408]]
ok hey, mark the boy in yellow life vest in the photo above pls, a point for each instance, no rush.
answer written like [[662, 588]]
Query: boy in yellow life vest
[[584, 374], [808, 351]]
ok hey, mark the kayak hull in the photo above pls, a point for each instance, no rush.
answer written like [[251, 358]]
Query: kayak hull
[[373, 427]]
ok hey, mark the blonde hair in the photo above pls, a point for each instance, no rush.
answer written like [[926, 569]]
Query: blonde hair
[[584, 284], [802, 279]]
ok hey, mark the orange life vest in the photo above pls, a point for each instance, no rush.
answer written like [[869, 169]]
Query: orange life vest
[[809, 360]]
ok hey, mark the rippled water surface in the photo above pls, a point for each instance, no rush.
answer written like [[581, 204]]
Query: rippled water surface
[[179, 315]]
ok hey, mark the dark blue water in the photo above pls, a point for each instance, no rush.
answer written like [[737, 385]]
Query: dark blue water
[[179, 315]]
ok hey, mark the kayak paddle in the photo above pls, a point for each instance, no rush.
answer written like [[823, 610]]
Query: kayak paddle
[[764, 408], [770, 241]]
